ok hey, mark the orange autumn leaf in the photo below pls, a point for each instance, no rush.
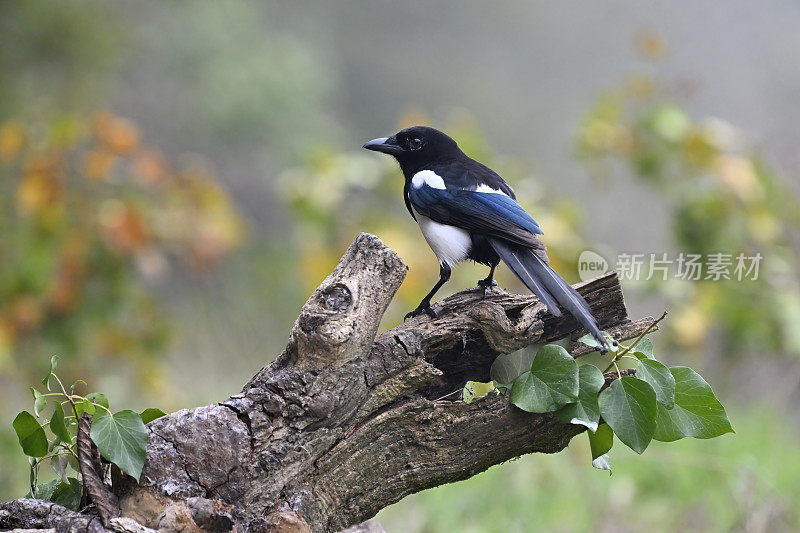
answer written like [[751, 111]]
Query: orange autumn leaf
[[150, 167], [98, 164], [63, 295], [651, 45], [26, 313], [124, 228], [118, 134]]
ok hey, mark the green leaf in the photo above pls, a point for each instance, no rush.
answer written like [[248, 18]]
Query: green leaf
[[53, 364], [591, 342], [78, 382], [472, 390], [39, 402], [122, 439], [44, 491], [643, 349], [84, 406], [697, 412], [34, 473], [59, 463], [669, 122], [99, 398], [58, 425], [150, 414], [601, 441], [72, 460], [551, 382], [30, 434], [586, 410], [68, 494], [629, 407], [509, 366], [660, 378]]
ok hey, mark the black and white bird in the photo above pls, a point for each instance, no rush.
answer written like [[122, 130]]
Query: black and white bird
[[466, 211]]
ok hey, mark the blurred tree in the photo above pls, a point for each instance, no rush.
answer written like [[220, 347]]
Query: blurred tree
[[232, 79], [723, 198], [55, 55], [91, 219], [238, 80]]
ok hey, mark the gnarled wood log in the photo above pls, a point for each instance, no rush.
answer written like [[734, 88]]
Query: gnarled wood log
[[344, 422]]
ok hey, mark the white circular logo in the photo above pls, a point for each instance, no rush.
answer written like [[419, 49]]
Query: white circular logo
[[591, 264]]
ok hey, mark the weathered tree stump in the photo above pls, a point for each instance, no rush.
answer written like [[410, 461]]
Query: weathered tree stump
[[344, 422]]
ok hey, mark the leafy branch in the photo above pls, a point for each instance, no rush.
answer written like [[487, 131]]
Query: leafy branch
[[658, 403], [121, 437]]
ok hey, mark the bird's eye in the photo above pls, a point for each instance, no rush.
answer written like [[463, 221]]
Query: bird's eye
[[414, 143]]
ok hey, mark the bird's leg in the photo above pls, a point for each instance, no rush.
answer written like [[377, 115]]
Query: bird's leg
[[488, 282], [425, 305]]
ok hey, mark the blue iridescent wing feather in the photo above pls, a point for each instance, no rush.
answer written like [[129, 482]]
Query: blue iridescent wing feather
[[486, 213]]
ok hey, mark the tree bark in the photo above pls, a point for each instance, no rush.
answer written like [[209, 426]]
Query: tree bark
[[344, 422]]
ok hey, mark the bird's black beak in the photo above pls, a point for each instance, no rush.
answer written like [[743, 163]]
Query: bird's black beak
[[386, 145]]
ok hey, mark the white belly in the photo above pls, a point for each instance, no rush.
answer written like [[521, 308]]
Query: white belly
[[450, 244]]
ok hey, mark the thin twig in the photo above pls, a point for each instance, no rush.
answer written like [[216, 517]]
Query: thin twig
[[643, 333], [627, 349], [448, 394]]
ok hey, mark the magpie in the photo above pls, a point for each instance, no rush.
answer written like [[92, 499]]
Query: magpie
[[466, 211]]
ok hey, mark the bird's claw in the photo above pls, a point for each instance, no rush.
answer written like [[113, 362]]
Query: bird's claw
[[427, 309], [486, 285]]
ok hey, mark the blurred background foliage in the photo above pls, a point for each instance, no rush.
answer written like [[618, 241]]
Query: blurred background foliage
[[91, 220], [722, 197], [169, 278]]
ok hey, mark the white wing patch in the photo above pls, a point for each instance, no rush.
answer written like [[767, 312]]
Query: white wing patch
[[485, 188], [449, 243], [429, 178]]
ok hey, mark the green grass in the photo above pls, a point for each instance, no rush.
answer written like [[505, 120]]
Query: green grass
[[746, 481]]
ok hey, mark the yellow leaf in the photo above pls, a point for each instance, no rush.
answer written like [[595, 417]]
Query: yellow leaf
[[6, 342], [40, 186], [12, 138], [691, 326], [738, 175]]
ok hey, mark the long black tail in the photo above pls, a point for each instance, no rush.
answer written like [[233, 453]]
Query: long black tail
[[545, 283]]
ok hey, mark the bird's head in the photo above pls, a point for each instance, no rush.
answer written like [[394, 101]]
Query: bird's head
[[416, 147]]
